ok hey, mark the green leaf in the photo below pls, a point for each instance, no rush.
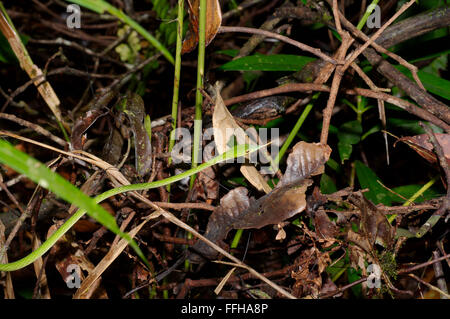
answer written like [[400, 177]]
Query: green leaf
[[232, 52], [345, 150], [432, 83], [355, 275], [39, 173], [407, 191], [350, 132], [412, 126], [327, 185], [373, 130], [368, 179], [276, 62], [334, 165]]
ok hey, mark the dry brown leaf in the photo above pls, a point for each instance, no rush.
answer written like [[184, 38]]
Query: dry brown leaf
[[213, 22], [308, 278], [224, 281], [422, 145], [374, 224], [325, 228], [239, 211], [224, 127], [208, 184], [306, 159]]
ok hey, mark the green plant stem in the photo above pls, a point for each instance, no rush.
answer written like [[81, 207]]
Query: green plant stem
[[11, 160], [237, 238], [198, 95], [295, 130], [176, 78], [422, 190], [367, 14]]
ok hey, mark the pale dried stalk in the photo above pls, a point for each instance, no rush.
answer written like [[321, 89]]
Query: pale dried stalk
[[33, 71], [119, 180]]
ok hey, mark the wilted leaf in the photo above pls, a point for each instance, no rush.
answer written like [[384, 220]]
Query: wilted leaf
[[224, 128], [280, 204], [422, 145], [308, 274], [213, 22], [239, 211], [306, 159], [374, 223], [93, 114], [232, 205], [81, 126], [325, 228], [209, 184]]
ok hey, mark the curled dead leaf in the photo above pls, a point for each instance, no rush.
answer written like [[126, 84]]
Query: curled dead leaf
[[213, 22], [374, 224], [422, 145], [224, 128], [239, 211], [306, 159]]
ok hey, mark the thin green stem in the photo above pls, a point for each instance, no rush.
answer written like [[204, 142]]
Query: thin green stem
[[295, 130], [237, 238], [199, 96], [415, 196], [367, 14], [176, 78], [238, 151]]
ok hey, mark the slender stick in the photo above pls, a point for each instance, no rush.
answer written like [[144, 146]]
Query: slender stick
[[283, 38], [376, 35]]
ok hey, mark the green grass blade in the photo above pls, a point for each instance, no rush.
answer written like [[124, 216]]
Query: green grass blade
[[41, 174]]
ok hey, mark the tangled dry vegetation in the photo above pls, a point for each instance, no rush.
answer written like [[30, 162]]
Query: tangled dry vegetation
[[357, 202]]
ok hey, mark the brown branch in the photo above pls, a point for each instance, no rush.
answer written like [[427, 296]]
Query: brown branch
[[341, 289], [377, 34], [444, 164], [268, 34], [430, 286], [347, 40], [426, 264], [180, 206], [305, 87]]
